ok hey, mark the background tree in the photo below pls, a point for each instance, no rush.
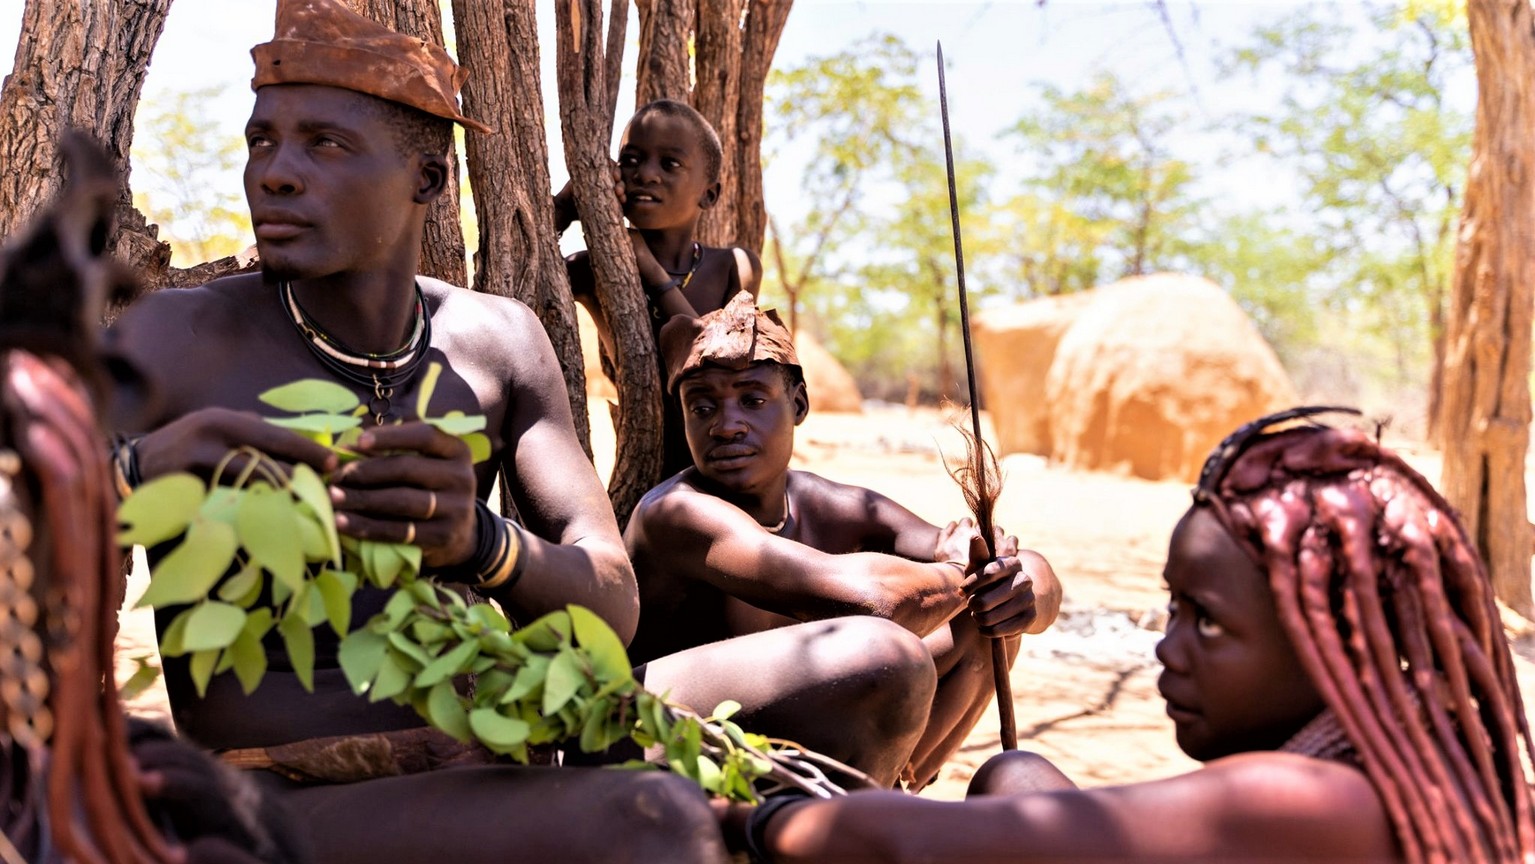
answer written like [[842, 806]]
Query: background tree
[[1485, 412], [864, 112], [1104, 197], [201, 223], [1380, 159]]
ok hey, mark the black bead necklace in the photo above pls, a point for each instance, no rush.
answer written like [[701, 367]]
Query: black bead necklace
[[380, 374]]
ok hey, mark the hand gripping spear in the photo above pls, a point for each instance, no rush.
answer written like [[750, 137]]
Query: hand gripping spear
[[976, 492]]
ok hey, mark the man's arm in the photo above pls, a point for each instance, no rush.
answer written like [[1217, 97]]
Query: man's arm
[[698, 536], [1242, 808], [577, 555]]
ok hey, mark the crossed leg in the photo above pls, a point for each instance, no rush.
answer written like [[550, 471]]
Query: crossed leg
[[495, 814], [856, 689]]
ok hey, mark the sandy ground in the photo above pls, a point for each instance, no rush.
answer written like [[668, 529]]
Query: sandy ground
[[1084, 693]]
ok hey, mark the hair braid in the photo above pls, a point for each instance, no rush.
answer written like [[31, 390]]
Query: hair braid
[[1391, 613]]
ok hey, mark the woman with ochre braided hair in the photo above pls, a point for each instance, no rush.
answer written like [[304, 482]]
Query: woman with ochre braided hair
[[1333, 654]]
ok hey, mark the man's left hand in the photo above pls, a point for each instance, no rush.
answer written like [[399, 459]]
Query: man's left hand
[[1017, 592]]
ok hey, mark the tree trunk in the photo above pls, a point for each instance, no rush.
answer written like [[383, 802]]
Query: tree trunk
[[765, 21], [442, 244], [662, 67], [78, 65], [1485, 415], [717, 96], [583, 94], [519, 253]]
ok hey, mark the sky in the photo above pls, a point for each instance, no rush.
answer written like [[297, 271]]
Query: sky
[[995, 50]]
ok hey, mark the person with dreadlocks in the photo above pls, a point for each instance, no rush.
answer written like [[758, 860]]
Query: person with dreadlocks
[[80, 781], [1333, 655]]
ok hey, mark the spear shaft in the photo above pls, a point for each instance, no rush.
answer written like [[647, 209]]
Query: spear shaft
[[999, 666]]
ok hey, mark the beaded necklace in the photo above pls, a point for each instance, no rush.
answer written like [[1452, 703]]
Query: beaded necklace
[[685, 275], [774, 529], [381, 374]]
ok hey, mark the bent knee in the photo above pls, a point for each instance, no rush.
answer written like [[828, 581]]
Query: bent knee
[[893, 665], [1015, 772], [661, 816]]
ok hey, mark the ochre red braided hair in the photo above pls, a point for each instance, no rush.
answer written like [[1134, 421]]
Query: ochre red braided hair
[[1391, 612]]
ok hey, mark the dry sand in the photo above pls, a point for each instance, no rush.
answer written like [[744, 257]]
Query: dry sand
[[1084, 693]]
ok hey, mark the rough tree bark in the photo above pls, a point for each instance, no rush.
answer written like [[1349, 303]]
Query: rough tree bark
[[78, 65], [519, 254], [662, 69], [586, 130], [442, 245], [1485, 410]]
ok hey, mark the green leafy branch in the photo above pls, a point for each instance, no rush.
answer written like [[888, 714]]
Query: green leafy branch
[[258, 550]]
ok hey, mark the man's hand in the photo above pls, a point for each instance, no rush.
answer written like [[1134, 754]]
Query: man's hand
[[1017, 592], [960, 543], [201, 441], [565, 200], [415, 485]]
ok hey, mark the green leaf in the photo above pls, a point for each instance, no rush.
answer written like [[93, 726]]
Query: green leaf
[[311, 394], [529, 678], [307, 486], [395, 613], [382, 560], [171, 642], [212, 625], [458, 424], [498, 732], [410, 651], [160, 509], [361, 655], [428, 387], [725, 710], [602, 645], [335, 588], [243, 588], [489, 617], [222, 504], [479, 447], [449, 664], [709, 776], [563, 681], [391, 681], [445, 710], [317, 424], [299, 640], [201, 669], [188, 573], [250, 661], [267, 529], [547, 633], [312, 541]]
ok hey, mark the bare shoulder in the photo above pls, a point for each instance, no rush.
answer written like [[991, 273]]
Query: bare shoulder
[[497, 332], [678, 502], [219, 305]]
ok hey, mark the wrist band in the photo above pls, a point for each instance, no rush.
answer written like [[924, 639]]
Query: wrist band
[[654, 292], [500, 552], [125, 464], [757, 824]]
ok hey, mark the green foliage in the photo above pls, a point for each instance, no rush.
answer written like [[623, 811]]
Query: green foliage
[[876, 170], [1104, 199], [186, 159], [1379, 155], [261, 552]]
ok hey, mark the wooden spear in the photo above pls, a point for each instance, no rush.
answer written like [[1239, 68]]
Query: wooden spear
[[981, 501]]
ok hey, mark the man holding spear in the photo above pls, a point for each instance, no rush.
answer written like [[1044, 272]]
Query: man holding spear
[[741, 544]]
